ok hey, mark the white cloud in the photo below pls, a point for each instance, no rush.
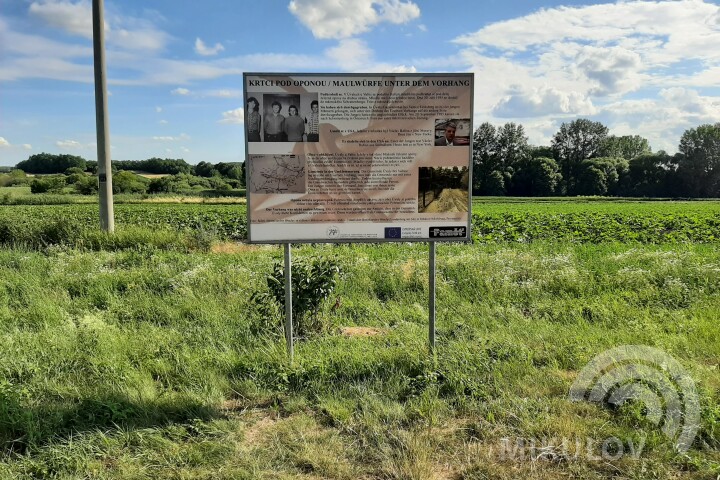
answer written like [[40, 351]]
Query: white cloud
[[346, 18], [354, 55], [233, 117], [202, 49], [3, 142], [45, 67], [75, 18], [181, 91], [168, 138], [538, 102], [72, 17], [673, 23], [27, 146], [33, 45], [73, 145], [350, 54], [142, 39], [613, 69], [585, 61], [158, 109], [225, 93]]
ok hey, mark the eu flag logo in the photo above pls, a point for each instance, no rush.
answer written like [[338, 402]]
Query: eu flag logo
[[392, 232]]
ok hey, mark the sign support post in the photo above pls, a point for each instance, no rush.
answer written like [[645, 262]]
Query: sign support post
[[288, 303], [431, 302]]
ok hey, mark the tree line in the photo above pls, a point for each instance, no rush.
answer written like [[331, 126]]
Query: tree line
[[48, 163], [584, 159], [73, 174]]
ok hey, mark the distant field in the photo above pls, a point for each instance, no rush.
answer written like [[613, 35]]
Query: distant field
[[150, 175]]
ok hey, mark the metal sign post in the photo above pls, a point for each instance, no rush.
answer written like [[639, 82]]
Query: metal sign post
[[431, 303], [288, 303]]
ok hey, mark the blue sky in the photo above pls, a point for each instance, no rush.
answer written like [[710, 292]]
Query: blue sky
[[175, 68]]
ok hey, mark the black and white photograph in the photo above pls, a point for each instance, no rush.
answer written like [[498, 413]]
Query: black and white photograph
[[288, 118]]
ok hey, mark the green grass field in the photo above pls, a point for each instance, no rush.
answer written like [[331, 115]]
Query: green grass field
[[146, 358]]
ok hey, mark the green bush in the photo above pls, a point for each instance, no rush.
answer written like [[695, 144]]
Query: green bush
[[128, 182], [47, 185], [313, 281]]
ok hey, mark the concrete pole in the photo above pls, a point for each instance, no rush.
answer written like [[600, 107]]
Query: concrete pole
[[107, 214]]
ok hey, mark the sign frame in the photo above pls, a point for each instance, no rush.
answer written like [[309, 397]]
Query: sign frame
[[468, 232]]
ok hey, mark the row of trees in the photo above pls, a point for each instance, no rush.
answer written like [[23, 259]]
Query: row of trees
[[70, 173], [127, 182], [583, 159], [47, 163]]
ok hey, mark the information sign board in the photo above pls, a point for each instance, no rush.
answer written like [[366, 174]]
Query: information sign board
[[358, 157]]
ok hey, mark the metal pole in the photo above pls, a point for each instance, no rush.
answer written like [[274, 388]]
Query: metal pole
[[431, 306], [288, 303], [107, 215]]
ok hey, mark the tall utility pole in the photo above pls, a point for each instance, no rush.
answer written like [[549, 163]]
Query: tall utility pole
[[107, 214]]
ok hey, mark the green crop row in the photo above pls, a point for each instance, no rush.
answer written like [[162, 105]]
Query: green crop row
[[653, 222]]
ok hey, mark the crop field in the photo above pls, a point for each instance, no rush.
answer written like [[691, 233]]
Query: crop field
[[158, 353], [493, 221]]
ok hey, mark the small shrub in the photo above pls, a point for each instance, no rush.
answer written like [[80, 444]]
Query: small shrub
[[313, 281], [47, 185]]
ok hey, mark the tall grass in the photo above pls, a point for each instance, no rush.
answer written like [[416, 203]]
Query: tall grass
[[142, 363]]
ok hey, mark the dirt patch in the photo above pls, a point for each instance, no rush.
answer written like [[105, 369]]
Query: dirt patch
[[362, 331], [228, 248], [255, 432]]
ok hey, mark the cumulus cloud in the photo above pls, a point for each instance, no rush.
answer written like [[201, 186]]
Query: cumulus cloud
[[72, 17], [202, 49], [611, 43], [346, 18], [233, 117], [670, 22], [180, 91], [691, 102], [587, 60], [543, 101], [75, 18], [69, 144], [27, 146], [3, 142], [143, 39], [613, 69], [350, 54]]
